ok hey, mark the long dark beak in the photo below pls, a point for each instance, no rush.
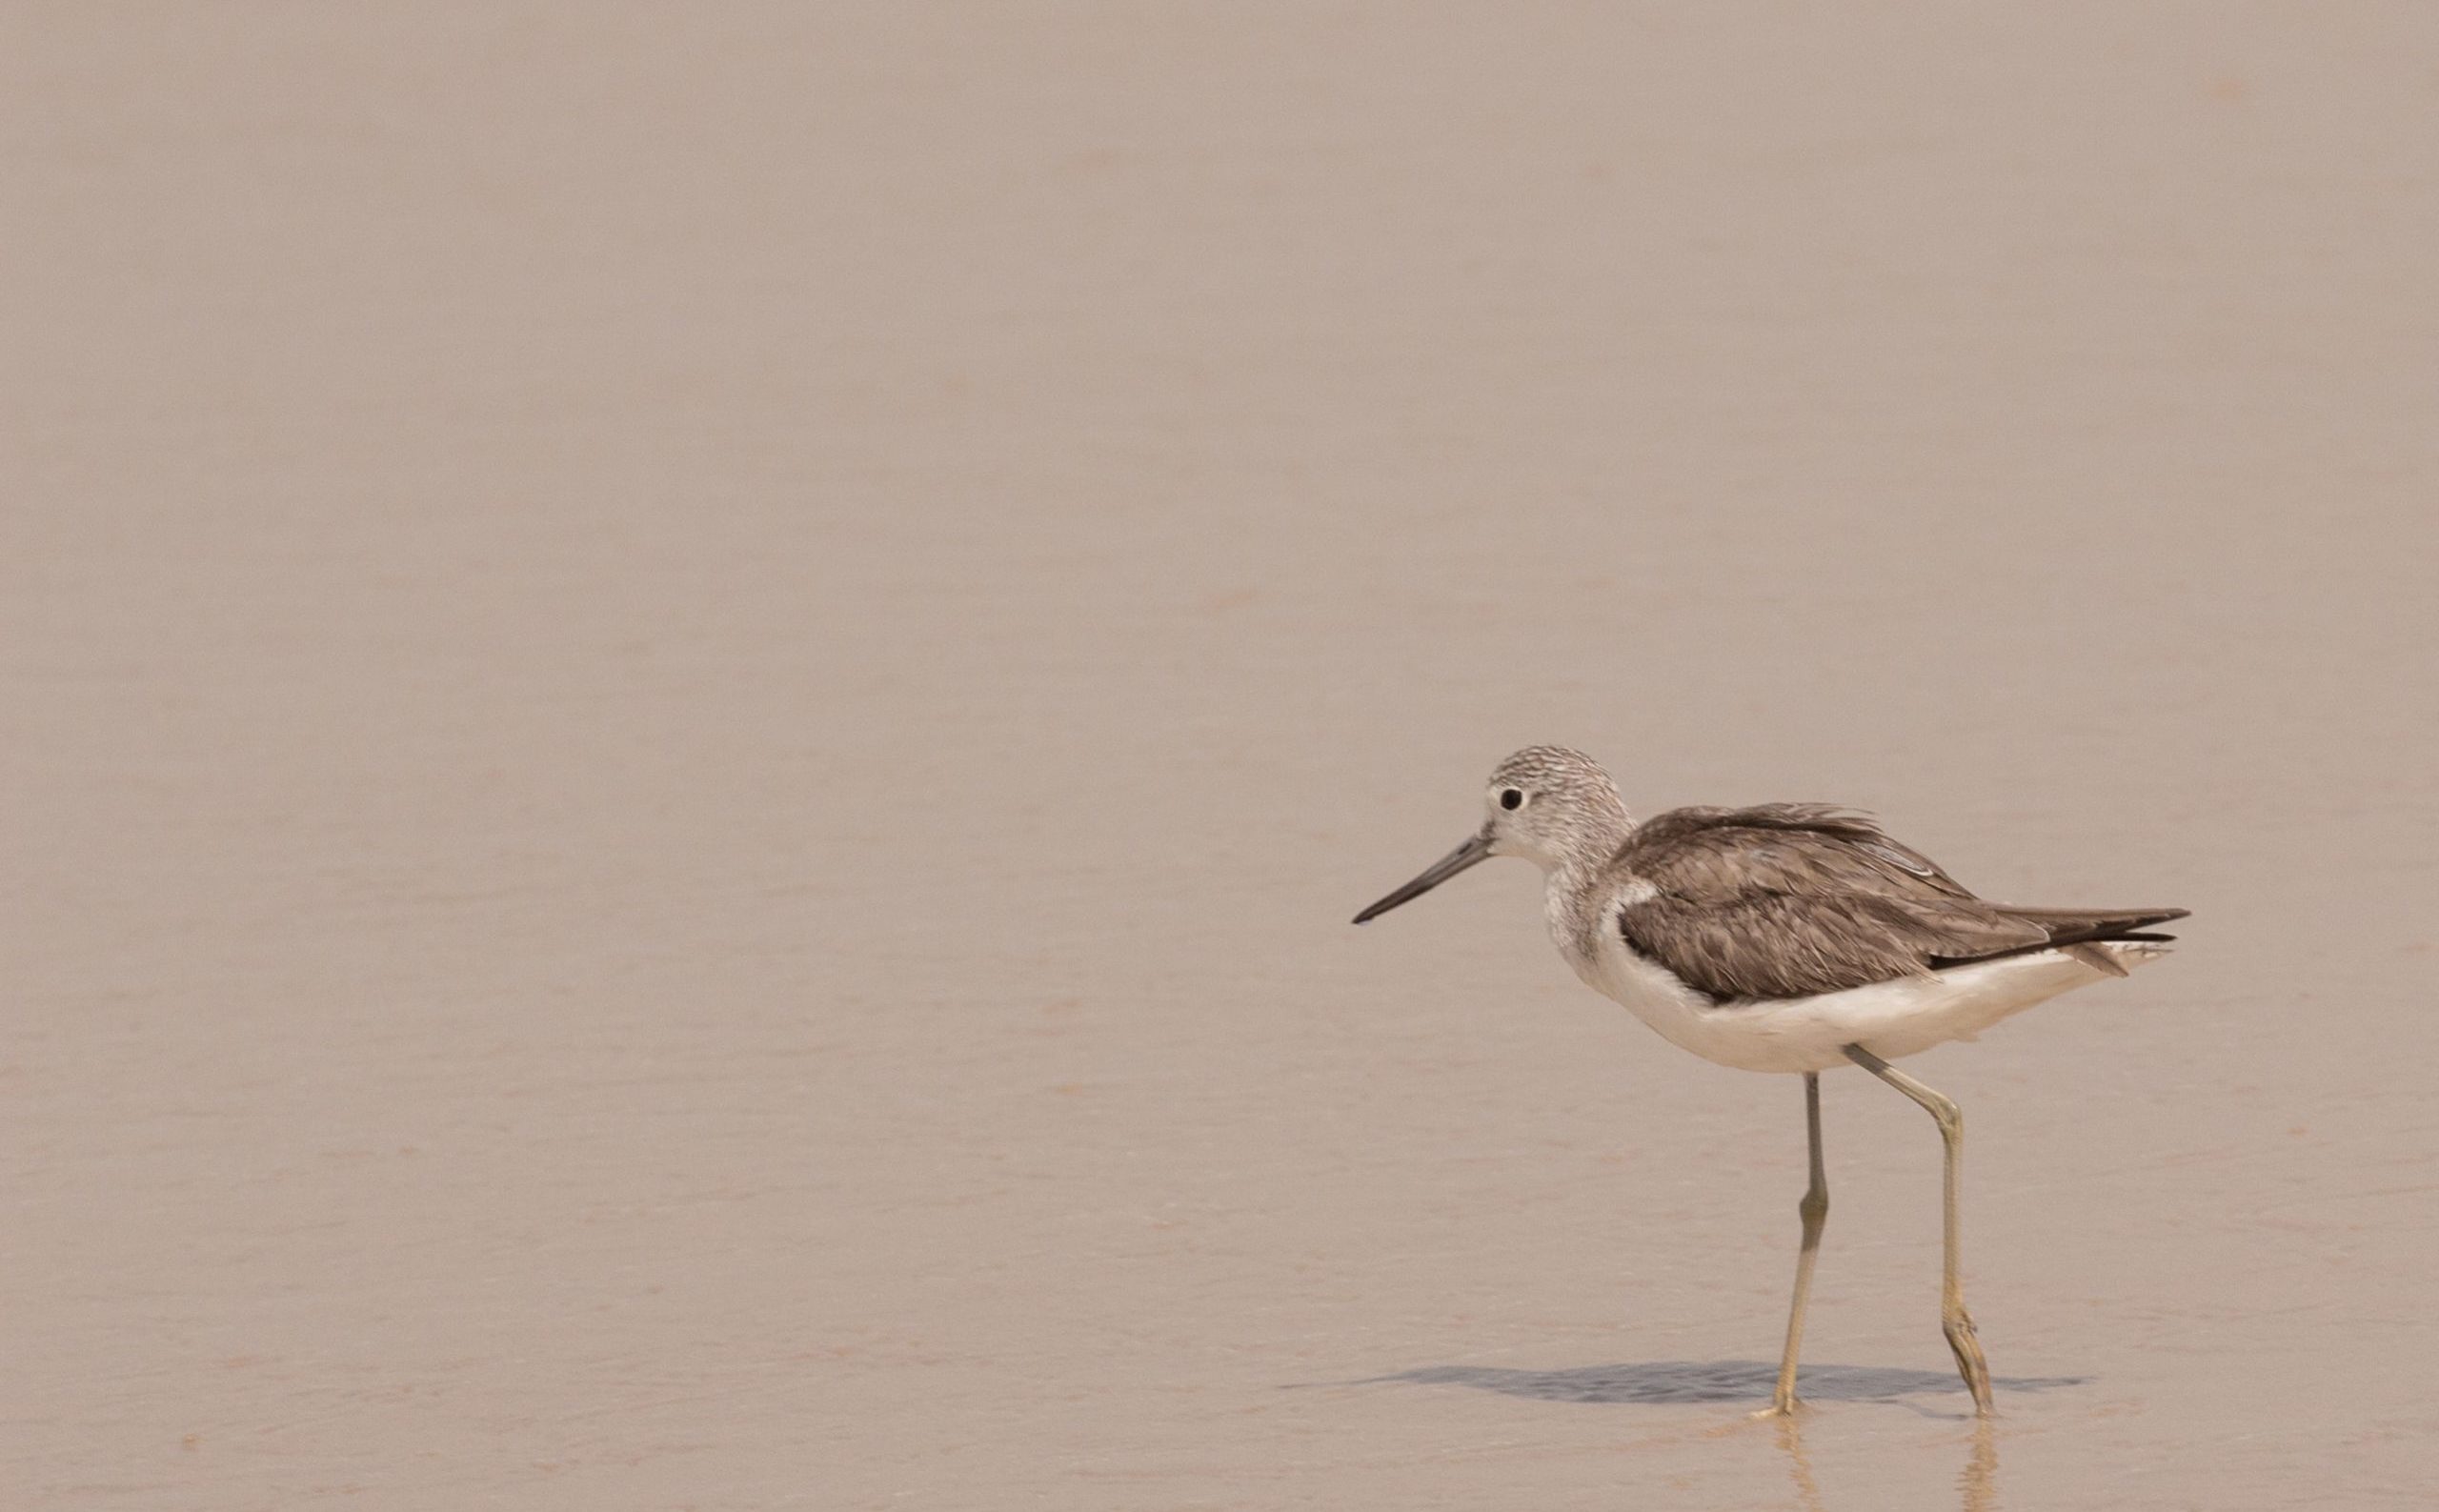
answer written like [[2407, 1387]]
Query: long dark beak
[[1475, 849]]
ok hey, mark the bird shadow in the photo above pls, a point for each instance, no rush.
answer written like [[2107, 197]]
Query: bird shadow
[[1682, 1383]]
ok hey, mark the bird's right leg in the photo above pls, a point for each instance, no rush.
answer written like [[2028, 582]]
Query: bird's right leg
[[1814, 1210], [1954, 1321]]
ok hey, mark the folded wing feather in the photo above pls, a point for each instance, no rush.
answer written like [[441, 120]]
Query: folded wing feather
[[1788, 900]]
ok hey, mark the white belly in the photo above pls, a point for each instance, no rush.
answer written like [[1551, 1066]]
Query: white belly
[[1891, 1018]]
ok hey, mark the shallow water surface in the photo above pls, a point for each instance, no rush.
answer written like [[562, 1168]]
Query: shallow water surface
[[695, 700]]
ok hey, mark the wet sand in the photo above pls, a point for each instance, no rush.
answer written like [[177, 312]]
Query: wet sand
[[694, 703]]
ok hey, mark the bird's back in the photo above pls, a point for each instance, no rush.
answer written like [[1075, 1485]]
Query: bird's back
[[1791, 899]]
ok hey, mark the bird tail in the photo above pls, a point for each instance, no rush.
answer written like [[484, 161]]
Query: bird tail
[[2104, 939]]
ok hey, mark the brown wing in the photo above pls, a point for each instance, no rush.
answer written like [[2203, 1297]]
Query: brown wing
[[1792, 899]]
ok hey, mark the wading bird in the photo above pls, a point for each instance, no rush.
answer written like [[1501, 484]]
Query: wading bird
[[1788, 937]]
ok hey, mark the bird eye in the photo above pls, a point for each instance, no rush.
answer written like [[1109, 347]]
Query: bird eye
[[1511, 799]]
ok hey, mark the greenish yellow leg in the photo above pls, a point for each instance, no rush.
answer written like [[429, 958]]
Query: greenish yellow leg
[[1814, 1209], [1954, 1321]]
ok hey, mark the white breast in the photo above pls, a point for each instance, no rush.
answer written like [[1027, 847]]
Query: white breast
[[1682, 1015]]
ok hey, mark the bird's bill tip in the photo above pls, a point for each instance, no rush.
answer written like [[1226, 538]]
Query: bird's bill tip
[[1477, 848]]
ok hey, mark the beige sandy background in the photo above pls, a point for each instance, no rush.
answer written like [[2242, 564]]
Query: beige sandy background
[[695, 695]]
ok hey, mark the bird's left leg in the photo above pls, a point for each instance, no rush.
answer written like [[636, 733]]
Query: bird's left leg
[[1813, 1210], [1954, 1321]]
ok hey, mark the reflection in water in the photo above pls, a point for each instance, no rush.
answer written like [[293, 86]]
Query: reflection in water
[[1977, 1485], [1980, 1481], [1690, 1382], [1807, 1490]]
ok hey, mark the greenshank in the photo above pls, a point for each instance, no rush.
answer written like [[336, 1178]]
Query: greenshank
[[1789, 937]]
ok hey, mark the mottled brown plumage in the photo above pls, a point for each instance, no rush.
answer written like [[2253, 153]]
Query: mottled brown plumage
[[1788, 937], [1787, 899]]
